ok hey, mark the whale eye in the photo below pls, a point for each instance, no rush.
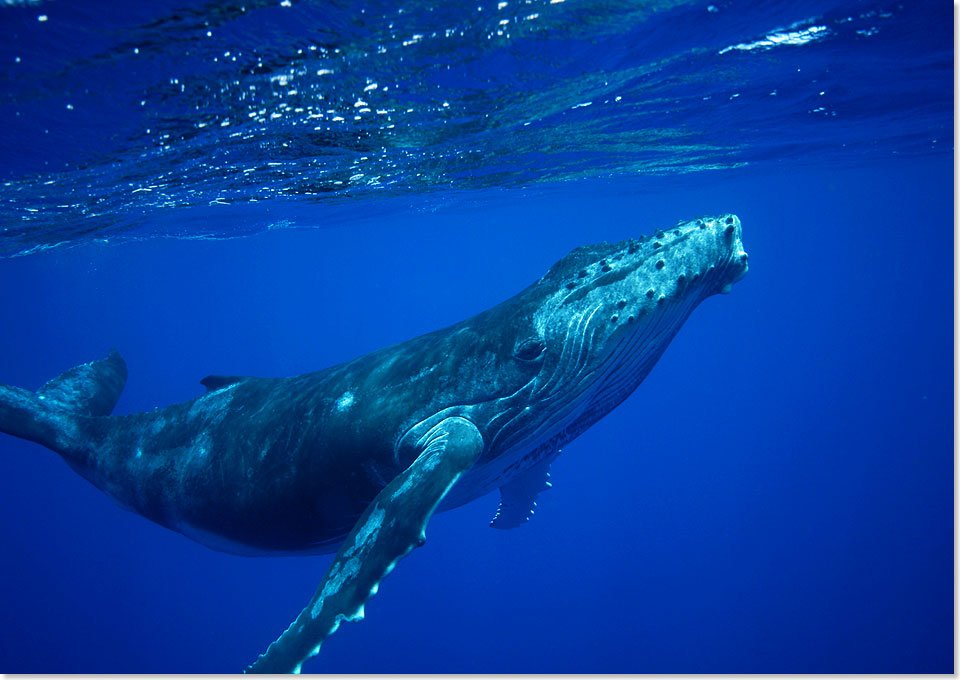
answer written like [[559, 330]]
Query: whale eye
[[529, 349]]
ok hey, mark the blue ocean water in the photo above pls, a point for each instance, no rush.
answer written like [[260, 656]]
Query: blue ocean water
[[268, 188]]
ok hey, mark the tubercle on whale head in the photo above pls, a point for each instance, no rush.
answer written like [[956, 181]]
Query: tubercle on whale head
[[699, 257], [591, 329], [598, 294], [714, 240], [736, 265]]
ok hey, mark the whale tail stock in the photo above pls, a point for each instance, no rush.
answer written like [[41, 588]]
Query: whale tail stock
[[48, 416]]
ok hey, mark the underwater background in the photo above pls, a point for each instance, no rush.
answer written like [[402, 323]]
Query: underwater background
[[269, 188]]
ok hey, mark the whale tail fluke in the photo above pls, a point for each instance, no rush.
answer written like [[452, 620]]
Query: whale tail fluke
[[91, 389], [48, 416]]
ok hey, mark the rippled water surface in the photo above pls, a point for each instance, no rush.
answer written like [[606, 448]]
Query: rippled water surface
[[120, 119]]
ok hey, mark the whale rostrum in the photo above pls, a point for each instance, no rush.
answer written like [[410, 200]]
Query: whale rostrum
[[356, 458]]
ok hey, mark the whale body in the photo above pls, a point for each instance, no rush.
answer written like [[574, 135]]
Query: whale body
[[355, 458]]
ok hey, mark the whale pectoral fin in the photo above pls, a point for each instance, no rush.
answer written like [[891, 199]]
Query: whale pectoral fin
[[519, 498], [392, 525]]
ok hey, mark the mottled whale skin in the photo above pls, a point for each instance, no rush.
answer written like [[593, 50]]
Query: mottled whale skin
[[358, 456]]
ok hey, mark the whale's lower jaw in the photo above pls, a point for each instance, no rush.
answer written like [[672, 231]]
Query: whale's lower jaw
[[640, 303], [627, 367]]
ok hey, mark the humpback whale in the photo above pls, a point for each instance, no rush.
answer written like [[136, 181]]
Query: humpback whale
[[356, 458]]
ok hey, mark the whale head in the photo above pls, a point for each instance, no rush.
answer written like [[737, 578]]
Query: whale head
[[615, 307], [602, 316]]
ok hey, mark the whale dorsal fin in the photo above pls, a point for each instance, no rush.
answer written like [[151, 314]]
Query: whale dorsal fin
[[518, 498], [215, 382]]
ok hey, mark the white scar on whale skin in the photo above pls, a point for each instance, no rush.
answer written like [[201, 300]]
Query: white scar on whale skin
[[345, 401]]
